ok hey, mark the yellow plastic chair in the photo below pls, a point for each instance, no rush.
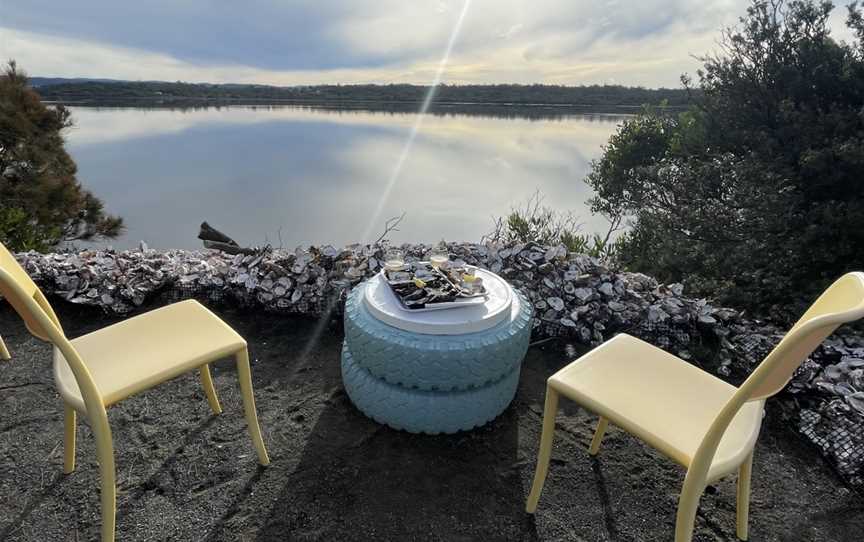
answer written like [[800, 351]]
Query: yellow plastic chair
[[4, 352], [99, 369], [697, 420]]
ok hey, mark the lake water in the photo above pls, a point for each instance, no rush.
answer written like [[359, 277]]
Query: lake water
[[296, 175]]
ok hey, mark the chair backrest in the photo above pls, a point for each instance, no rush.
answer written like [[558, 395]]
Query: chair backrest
[[32, 306], [9, 264], [18, 288], [841, 303]]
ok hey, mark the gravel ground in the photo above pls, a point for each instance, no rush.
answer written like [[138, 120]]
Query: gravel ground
[[185, 474]]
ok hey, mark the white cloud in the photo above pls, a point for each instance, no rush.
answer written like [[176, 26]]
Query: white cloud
[[647, 43]]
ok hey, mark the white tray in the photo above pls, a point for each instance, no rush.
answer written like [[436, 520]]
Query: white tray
[[463, 302], [382, 303], [468, 301]]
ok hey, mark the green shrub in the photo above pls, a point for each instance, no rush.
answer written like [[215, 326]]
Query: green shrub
[[545, 226], [42, 204], [755, 194]]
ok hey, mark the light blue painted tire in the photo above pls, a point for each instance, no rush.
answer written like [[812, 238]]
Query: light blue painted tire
[[436, 362], [421, 411]]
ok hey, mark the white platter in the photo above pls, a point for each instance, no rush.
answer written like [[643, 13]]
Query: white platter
[[486, 313]]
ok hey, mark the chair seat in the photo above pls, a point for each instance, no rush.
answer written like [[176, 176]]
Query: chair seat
[[665, 401], [138, 353]]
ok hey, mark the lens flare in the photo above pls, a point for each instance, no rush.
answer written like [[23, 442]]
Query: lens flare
[[394, 175], [415, 128]]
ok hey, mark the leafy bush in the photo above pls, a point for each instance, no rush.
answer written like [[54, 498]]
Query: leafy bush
[[755, 194], [42, 204], [543, 225]]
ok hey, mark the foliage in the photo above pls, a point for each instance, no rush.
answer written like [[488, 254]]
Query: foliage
[[755, 193], [591, 96], [538, 223], [42, 204]]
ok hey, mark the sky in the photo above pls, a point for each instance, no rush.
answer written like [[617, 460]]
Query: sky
[[297, 42]]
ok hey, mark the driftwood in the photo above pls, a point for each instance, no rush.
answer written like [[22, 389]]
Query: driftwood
[[217, 240]]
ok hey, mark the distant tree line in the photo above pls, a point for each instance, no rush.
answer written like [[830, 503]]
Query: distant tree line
[[589, 96]]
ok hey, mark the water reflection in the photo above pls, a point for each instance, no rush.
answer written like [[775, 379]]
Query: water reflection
[[298, 175]]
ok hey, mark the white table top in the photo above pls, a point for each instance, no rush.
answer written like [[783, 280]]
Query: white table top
[[383, 304]]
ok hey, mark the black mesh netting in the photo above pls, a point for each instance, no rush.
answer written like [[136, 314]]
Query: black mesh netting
[[838, 435], [827, 395], [332, 303], [825, 398]]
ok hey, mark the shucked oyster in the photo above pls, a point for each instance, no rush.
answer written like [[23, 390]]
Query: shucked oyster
[[422, 284]]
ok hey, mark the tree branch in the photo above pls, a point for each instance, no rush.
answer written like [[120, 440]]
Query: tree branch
[[390, 226]]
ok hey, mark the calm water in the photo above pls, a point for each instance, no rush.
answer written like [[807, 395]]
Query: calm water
[[320, 176]]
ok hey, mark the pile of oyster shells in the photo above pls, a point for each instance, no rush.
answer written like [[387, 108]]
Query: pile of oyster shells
[[575, 296], [829, 389]]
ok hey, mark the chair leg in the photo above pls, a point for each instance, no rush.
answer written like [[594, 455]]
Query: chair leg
[[743, 505], [688, 505], [105, 455], [598, 436], [244, 373], [69, 426], [4, 352], [550, 409], [210, 390]]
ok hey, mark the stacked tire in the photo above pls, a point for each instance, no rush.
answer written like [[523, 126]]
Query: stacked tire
[[432, 383]]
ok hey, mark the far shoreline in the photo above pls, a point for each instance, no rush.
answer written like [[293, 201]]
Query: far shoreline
[[516, 109]]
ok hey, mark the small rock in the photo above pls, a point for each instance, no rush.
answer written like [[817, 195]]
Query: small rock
[[556, 303], [616, 306], [583, 294]]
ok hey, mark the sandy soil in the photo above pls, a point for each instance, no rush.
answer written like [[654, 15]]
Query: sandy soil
[[185, 474]]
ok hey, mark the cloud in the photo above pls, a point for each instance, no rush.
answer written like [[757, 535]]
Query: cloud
[[47, 55], [647, 43], [265, 34]]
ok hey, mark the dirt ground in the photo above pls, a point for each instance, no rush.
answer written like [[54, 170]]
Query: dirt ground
[[185, 474]]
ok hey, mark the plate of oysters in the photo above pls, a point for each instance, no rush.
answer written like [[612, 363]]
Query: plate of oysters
[[433, 285]]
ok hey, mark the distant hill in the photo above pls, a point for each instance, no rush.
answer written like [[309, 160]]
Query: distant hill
[[102, 90], [37, 82]]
